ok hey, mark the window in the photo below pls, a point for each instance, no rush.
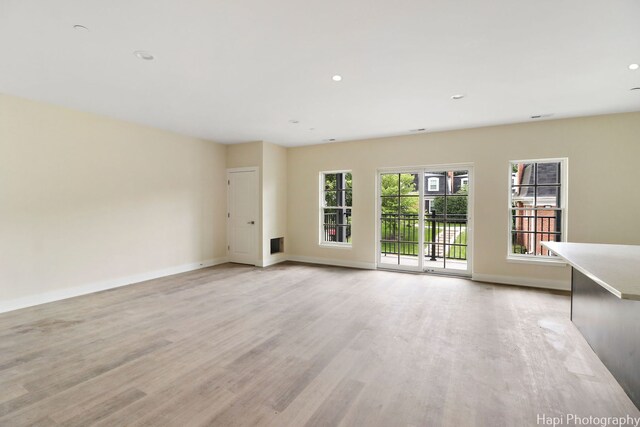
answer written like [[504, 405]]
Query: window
[[335, 211], [537, 207], [428, 204], [464, 182], [433, 184]]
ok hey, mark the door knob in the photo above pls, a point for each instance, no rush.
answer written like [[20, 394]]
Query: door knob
[[251, 222]]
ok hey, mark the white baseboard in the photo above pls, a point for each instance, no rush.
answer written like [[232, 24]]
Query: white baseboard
[[29, 301], [558, 285], [275, 259], [336, 262]]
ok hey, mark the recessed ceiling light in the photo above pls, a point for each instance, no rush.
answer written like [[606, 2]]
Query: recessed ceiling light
[[418, 130], [143, 55], [457, 96], [635, 88], [80, 27], [329, 140], [634, 66], [540, 116], [336, 78]]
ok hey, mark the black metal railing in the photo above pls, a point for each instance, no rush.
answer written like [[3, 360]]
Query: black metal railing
[[400, 234], [455, 236], [445, 235], [335, 230], [530, 230]]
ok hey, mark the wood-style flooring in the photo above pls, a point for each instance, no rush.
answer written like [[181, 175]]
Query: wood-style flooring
[[295, 345]]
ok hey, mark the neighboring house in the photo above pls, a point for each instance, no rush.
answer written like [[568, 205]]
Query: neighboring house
[[435, 184], [533, 226]]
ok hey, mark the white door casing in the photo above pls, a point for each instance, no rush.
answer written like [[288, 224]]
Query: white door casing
[[242, 215], [420, 264]]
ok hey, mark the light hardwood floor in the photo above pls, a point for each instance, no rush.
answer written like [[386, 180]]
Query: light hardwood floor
[[297, 345]]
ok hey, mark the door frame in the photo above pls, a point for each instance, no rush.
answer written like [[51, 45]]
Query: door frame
[[379, 264], [421, 169], [258, 227]]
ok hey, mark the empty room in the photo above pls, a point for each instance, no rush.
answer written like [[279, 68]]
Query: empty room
[[286, 213]]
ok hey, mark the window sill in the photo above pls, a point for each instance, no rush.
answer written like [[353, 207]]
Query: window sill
[[336, 245], [555, 262]]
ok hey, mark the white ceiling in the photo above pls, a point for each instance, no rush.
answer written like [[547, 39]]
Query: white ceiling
[[240, 70]]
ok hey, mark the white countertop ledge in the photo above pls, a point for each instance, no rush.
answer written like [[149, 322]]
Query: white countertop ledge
[[614, 267]]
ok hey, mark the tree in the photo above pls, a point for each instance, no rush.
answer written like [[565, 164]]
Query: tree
[[455, 205], [393, 207], [393, 185], [331, 182]]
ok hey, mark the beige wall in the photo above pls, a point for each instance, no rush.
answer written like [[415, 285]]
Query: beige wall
[[274, 200], [244, 155], [271, 159], [90, 201], [603, 206]]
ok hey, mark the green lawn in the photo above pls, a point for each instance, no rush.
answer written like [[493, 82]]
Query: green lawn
[[409, 233], [459, 252]]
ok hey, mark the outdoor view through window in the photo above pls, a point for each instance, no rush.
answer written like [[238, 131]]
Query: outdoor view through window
[[537, 206], [336, 208]]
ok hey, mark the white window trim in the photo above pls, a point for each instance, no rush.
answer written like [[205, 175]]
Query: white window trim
[[437, 182], [564, 193], [321, 241]]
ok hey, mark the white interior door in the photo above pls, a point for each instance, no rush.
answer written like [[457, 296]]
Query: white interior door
[[243, 215]]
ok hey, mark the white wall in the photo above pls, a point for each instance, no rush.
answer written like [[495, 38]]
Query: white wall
[[88, 202], [603, 187]]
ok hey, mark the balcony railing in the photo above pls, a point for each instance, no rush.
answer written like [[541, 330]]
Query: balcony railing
[[337, 231], [444, 235]]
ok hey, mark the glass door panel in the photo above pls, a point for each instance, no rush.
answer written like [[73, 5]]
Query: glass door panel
[[400, 219], [446, 220], [435, 188]]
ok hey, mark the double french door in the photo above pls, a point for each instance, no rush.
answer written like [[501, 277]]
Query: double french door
[[425, 219]]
